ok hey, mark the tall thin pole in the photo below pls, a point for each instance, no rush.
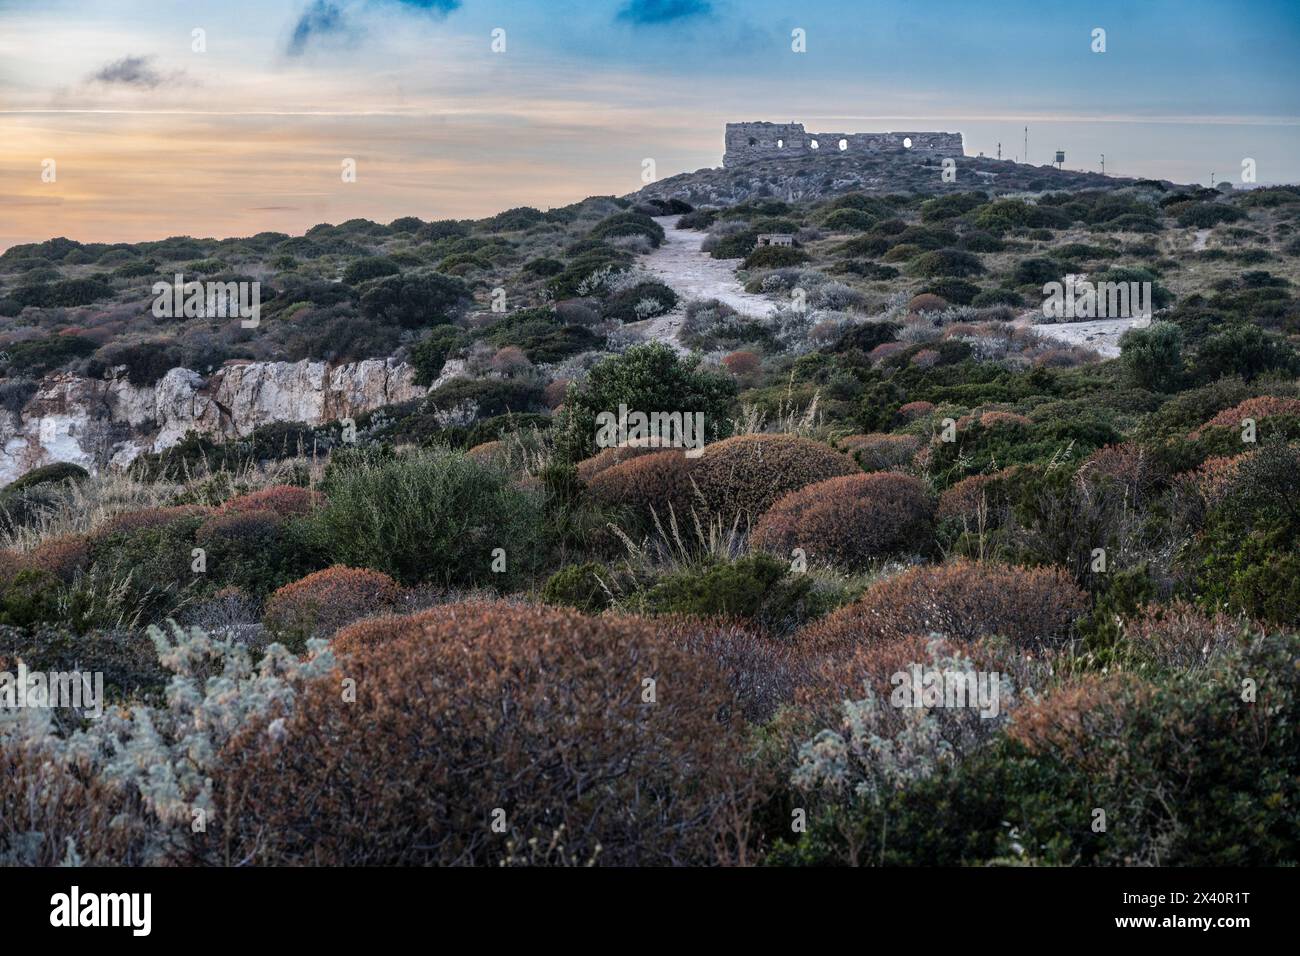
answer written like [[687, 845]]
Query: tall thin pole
[[1103, 164], [999, 150], [1026, 145]]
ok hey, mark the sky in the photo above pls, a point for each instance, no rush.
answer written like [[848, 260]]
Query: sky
[[462, 108]]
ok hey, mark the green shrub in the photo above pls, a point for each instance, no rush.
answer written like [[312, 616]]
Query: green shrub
[[629, 224], [1207, 215], [37, 357], [1039, 270], [66, 293], [1113, 742], [544, 267], [946, 262], [58, 472], [371, 267], [943, 208], [774, 257], [414, 301], [259, 551], [582, 586], [629, 304], [1153, 356], [1242, 350], [431, 515], [759, 588], [991, 297], [486, 397], [648, 378], [541, 335], [958, 291], [430, 354], [849, 220], [1250, 551]]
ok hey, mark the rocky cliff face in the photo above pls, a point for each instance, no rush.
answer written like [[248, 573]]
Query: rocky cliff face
[[101, 423]]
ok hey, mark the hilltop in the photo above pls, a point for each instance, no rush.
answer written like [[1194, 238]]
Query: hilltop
[[820, 176]]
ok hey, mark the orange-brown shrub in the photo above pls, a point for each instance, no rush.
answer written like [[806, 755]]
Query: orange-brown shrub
[[1058, 358], [1180, 634], [880, 451], [1069, 722], [63, 556], [967, 497], [488, 451], [555, 392], [146, 518], [321, 603], [509, 360], [367, 634], [1257, 408], [995, 418], [745, 474], [1127, 463], [964, 600], [762, 671], [660, 482], [287, 501], [884, 350], [925, 358], [914, 410], [851, 520], [238, 527], [11, 563], [742, 364], [1216, 476], [927, 302], [589, 468], [104, 819], [538, 712]]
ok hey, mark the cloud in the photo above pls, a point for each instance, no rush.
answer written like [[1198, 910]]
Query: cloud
[[436, 6], [133, 71], [322, 18], [333, 18], [654, 12]]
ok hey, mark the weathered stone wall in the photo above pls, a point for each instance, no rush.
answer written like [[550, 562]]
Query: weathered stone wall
[[748, 141]]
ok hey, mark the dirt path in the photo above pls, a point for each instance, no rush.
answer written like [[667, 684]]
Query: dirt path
[[1100, 334], [692, 274]]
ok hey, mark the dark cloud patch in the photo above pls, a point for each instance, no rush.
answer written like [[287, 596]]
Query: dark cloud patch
[[322, 18], [435, 6], [653, 12], [132, 71], [333, 19]]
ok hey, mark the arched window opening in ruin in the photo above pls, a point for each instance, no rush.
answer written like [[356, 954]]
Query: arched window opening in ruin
[[780, 144], [753, 141], [907, 142], [814, 145], [844, 144]]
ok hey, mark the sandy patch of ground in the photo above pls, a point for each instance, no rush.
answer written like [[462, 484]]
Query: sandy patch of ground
[[692, 274], [1100, 334]]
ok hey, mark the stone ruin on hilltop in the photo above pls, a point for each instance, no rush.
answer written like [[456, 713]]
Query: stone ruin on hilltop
[[750, 141]]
